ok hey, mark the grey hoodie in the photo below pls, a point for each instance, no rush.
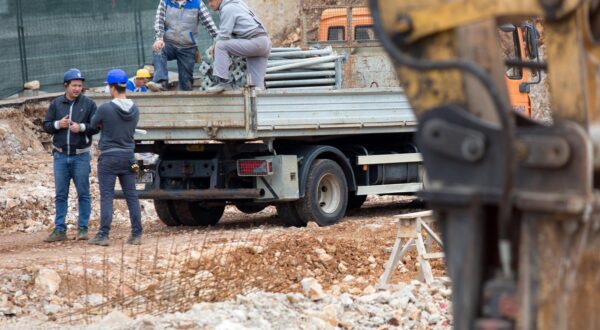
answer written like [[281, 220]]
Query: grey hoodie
[[238, 21], [118, 120]]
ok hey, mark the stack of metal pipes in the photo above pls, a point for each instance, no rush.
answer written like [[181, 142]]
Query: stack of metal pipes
[[297, 68], [288, 68]]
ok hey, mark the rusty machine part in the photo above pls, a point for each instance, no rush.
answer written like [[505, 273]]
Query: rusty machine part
[[515, 199]]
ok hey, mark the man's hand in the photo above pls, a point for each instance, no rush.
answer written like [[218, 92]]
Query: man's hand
[[75, 128], [64, 122], [158, 45]]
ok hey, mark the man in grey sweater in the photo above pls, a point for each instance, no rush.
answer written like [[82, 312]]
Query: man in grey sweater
[[117, 121], [241, 33]]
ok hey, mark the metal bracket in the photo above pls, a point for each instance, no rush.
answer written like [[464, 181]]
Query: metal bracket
[[453, 140]]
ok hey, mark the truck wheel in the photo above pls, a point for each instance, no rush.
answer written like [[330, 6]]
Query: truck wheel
[[184, 213], [164, 210], [204, 215], [326, 196], [251, 208], [355, 202], [289, 215]]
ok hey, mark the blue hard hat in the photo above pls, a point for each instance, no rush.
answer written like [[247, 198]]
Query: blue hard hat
[[73, 74], [116, 76]]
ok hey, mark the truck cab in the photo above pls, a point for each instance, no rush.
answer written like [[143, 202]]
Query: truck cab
[[522, 45]]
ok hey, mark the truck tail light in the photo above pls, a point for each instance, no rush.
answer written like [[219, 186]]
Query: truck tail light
[[254, 167]]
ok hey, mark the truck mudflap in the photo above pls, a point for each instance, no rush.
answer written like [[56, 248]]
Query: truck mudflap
[[196, 194]]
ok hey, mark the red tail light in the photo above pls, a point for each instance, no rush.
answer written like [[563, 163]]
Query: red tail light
[[254, 167]]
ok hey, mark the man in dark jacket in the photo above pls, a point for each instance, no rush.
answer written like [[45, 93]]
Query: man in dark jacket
[[68, 119], [117, 120]]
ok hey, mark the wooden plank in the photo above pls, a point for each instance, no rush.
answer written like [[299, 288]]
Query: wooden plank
[[432, 234], [436, 255], [414, 215], [421, 252], [393, 261]]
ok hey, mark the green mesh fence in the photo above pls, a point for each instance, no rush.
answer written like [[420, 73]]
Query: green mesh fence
[[41, 39]]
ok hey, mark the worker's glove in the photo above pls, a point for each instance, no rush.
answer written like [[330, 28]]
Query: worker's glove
[[159, 44]]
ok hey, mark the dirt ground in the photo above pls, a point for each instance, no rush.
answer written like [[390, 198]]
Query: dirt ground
[[242, 254]]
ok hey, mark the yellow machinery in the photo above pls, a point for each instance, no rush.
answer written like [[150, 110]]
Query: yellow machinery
[[517, 201]]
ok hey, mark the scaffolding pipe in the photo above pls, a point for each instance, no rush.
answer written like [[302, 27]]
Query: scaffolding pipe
[[303, 64], [303, 53], [307, 82], [303, 74], [284, 49]]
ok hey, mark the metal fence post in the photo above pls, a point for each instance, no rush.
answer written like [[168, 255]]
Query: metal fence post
[[350, 29], [22, 48], [139, 33]]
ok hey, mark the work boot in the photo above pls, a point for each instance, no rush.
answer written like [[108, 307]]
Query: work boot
[[221, 86], [134, 240], [56, 236], [82, 234], [99, 240], [160, 86]]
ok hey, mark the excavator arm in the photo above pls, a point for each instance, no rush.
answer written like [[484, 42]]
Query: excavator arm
[[515, 199]]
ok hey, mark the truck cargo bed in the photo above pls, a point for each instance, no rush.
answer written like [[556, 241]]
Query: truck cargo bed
[[252, 115]]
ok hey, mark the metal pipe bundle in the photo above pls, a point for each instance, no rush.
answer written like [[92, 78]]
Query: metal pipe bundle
[[287, 68]]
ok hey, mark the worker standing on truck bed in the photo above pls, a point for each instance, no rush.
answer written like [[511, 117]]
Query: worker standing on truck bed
[[117, 120], [176, 33], [68, 120], [241, 33]]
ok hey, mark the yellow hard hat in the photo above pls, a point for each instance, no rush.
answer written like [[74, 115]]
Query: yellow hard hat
[[143, 73]]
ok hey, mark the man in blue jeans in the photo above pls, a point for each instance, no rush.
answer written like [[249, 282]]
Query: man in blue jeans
[[117, 120], [68, 120], [176, 35]]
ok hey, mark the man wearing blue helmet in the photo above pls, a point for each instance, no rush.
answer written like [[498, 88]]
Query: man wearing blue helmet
[[68, 120], [117, 120]]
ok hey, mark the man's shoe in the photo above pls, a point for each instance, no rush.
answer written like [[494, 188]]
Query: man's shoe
[[134, 240], [157, 86], [221, 86], [99, 240], [56, 236], [82, 234]]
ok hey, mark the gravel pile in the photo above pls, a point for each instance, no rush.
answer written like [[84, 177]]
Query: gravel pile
[[404, 306]]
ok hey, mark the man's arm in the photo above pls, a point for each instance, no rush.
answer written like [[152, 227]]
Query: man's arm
[[96, 121], [50, 123], [206, 20], [227, 24], [159, 22], [88, 128]]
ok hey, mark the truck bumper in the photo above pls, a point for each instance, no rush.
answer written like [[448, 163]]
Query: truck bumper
[[198, 194]]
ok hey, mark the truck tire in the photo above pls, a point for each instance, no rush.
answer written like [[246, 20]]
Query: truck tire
[[204, 215], [326, 196], [355, 202], [164, 210], [251, 208], [184, 213], [289, 215]]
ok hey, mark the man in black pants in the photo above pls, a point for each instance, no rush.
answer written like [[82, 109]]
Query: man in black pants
[[117, 120]]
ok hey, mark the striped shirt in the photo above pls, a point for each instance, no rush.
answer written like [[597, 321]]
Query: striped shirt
[[203, 17]]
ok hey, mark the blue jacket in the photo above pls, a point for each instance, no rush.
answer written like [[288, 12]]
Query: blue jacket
[[80, 111], [131, 86]]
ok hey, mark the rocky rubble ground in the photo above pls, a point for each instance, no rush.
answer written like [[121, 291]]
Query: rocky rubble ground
[[403, 306]]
